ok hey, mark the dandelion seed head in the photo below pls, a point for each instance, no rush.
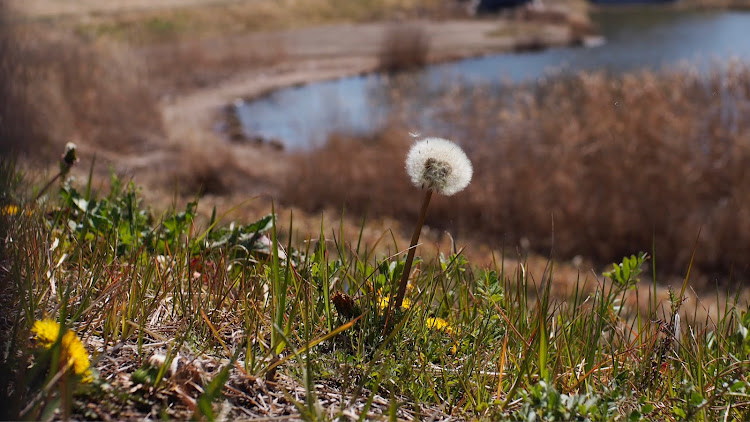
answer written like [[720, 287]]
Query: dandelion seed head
[[157, 359], [440, 165], [70, 153]]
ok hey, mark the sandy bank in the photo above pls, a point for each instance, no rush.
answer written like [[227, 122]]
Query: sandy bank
[[333, 51]]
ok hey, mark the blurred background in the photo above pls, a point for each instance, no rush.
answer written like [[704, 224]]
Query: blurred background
[[597, 129]]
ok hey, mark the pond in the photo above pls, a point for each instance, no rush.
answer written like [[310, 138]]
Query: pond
[[304, 117]]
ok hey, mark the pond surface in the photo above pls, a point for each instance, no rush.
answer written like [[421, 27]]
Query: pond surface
[[304, 117]]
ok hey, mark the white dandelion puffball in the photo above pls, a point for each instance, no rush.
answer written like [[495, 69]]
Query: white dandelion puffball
[[440, 165]]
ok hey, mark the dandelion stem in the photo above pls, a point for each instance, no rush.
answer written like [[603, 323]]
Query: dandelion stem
[[412, 249], [44, 189]]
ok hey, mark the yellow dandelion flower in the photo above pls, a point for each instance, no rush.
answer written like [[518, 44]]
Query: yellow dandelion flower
[[9, 210], [73, 351], [47, 331], [438, 324], [78, 355], [383, 303]]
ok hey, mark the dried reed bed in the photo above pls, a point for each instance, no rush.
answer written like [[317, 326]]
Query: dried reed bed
[[591, 164], [19, 123], [56, 88]]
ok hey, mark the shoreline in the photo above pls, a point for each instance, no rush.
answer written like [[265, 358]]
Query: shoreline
[[196, 57], [233, 130], [355, 54]]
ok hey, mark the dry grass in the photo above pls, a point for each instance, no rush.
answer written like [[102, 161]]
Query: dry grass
[[22, 128], [147, 25], [606, 165], [359, 174], [56, 89], [176, 67], [198, 171]]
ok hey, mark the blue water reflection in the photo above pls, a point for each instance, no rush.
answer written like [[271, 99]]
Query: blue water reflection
[[303, 117]]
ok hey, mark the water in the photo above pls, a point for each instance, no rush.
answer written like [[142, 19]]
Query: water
[[303, 117]]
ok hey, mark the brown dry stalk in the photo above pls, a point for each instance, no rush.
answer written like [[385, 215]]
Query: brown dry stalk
[[412, 249]]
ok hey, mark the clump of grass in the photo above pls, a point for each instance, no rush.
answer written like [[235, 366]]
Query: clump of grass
[[404, 47], [199, 173]]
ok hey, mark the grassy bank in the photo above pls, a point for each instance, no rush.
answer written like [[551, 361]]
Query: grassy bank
[[180, 319], [589, 164], [146, 24]]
